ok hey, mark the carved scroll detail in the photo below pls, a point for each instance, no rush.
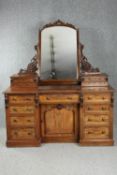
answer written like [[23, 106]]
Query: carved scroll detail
[[32, 66], [85, 65]]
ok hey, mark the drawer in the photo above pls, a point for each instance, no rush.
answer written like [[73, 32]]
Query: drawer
[[21, 99], [106, 97], [21, 109], [59, 98], [96, 133], [97, 108], [96, 119], [95, 78], [22, 121], [28, 133]]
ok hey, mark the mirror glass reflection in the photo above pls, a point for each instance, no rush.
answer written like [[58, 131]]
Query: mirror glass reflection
[[58, 53]]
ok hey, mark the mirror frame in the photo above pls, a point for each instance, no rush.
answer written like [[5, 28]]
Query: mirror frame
[[60, 81]]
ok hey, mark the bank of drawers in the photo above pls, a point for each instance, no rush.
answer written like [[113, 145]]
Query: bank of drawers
[[21, 117], [97, 115]]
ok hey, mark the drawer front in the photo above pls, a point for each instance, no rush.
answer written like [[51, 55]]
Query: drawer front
[[96, 133], [97, 108], [21, 109], [96, 119], [58, 98], [97, 97], [95, 79], [22, 121], [21, 99], [28, 133]]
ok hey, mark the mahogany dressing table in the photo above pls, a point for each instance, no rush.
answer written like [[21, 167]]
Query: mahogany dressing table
[[60, 96]]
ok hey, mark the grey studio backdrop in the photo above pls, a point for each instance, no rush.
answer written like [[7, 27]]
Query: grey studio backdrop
[[21, 19]]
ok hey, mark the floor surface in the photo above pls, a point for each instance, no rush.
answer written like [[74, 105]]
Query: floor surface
[[57, 159]]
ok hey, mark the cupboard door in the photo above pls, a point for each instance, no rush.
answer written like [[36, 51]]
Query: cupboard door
[[59, 120]]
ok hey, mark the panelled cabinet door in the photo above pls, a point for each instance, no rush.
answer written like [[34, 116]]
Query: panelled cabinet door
[[59, 121]]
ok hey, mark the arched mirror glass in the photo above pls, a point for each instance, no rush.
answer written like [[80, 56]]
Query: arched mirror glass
[[59, 53]]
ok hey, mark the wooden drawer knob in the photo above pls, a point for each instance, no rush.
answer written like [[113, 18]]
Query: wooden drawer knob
[[89, 132], [28, 120], [29, 110], [15, 121], [103, 108], [15, 133], [47, 98], [27, 98], [69, 98], [103, 132], [89, 98], [89, 108], [14, 99], [14, 109]]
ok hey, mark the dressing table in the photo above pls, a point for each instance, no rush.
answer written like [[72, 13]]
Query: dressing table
[[60, 96]]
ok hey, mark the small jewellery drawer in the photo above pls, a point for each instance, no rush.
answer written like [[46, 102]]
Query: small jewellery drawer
[[21, 109], [97, 108], [59, 98], [97, 97], [95, 133], [21, 99], [28, 133], [22, 121], [96, 119]]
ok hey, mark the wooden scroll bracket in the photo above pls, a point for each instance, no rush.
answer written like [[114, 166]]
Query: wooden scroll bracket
[[32, 66], [85, 65]]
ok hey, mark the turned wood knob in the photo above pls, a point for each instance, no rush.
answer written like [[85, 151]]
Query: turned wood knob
[[14, 109], [89, 108], [28, 99], [14, 99], [69, 98], [15, 120], [103, 132], [47, 98], [89, 132], [28, 120], [103, 108], [89, 98], [15, 133]]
